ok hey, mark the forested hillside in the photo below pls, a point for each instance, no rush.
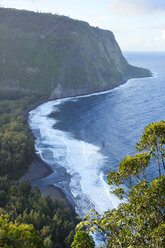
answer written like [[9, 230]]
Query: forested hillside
[[56, 56]]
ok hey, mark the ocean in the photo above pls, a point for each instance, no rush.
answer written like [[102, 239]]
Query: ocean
[[83, 138]]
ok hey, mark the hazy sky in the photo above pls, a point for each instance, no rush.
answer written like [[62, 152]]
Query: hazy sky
[[137, 24]]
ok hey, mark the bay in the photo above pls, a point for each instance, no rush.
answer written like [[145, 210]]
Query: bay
[[83, 138]]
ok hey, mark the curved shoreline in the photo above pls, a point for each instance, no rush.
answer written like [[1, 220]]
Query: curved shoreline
[[96, 92], [38, 169]]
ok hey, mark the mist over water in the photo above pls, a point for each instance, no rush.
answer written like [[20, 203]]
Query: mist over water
[[83, 138]]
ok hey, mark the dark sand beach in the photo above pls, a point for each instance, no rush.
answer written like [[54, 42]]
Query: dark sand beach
[[39, 169]]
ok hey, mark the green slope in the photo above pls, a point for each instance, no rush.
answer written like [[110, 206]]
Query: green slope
[[56, 56]]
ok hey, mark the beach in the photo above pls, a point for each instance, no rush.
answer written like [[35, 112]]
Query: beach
[[39, 169]]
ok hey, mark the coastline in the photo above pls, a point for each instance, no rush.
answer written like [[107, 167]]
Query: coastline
[[38, 103], [89, 93], [33, 106], [39, 169]]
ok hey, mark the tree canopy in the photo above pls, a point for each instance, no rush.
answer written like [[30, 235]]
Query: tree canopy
[[25, 205], [18, 235], [82, 240]]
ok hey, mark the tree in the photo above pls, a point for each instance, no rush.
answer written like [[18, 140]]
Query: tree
[[82, 240], [131, 170], [153, 140], [139, 221], [18, 235]]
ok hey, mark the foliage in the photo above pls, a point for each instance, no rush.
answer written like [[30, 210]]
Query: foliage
[[82, 240], [16, 147], [18, 235], [28, 206], [139, 221], [51, 220], [16, 140], [153, 140], [134, 168], [131, 168]]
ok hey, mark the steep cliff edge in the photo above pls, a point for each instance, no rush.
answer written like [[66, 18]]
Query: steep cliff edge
[[56, 56]]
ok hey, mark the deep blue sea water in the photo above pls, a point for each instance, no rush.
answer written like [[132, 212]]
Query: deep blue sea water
[[83, 138]]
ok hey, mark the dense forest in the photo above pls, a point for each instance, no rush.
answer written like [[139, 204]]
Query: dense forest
[[27, 218], [16, 141]]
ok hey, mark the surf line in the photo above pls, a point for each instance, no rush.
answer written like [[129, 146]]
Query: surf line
[[66, 151]]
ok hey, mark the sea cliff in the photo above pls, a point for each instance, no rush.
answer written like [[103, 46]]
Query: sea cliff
[[55, 56]]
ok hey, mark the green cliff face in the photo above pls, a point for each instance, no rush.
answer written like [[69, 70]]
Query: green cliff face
[[56, 56]]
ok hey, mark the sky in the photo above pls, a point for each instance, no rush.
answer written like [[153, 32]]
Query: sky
[[138, 25]]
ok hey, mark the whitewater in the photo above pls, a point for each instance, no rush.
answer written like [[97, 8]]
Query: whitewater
[[81, 160], [83, 138]]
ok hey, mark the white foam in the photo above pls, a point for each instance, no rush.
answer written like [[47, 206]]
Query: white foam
[[80, 159]]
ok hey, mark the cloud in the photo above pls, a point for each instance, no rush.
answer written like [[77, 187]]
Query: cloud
[[131, 7], [16, 2], [104, 18], [136, 39], [33, 5], [163, 34], [158, 27]]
